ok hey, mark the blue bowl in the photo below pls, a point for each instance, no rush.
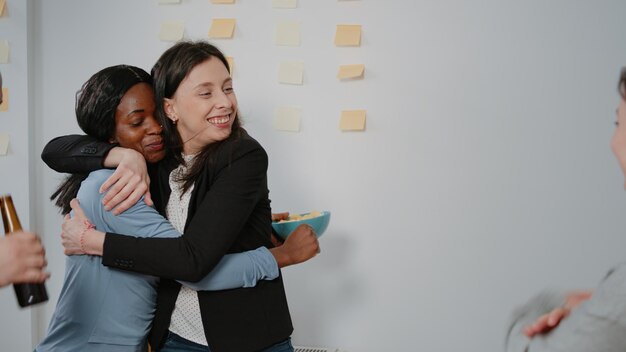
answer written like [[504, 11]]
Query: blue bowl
[[318, 223]]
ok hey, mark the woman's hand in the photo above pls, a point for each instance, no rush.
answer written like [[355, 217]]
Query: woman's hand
[[549, 321], [300, 246], [276, 241], [129, 182], [78, 236]]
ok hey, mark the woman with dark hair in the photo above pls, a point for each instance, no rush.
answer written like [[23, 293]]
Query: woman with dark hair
[[213, 180], [579, 321], [99, 308]]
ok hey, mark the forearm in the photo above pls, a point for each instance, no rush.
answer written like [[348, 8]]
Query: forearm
[[234, 210], [75, 154], [238, 270], [170, 258]]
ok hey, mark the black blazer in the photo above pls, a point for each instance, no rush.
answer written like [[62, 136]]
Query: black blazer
[[229, 211]]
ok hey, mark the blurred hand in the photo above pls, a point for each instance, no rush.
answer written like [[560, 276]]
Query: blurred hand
[[549, 321], [300, 246], [127, 184], [22, 259]]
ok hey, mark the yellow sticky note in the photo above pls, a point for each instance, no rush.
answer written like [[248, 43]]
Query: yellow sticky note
[[231, 64], [4, 143], [169, 2], [348, 35], [351, 71], [4, 51], [2, 4], [287, 119], [352, 120], [5, 100], [222, 28], [284, 4], [171, 31], [288, 33], [291, 72], [223, 1]]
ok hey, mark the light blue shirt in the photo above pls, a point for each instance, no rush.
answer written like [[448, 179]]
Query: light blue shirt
[[103, 309]]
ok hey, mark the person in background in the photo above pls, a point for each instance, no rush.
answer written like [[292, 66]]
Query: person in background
[[213, 185], [22, 256], [583, 320]]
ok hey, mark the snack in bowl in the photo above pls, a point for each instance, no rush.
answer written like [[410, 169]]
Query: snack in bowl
[[318, 220]]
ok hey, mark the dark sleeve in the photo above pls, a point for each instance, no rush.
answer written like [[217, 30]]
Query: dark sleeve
[[217, 222], [75, 154]]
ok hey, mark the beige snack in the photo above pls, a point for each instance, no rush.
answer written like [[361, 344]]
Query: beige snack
[[298, 217]]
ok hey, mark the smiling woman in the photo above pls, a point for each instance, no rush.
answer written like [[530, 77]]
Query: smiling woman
[[204, 106], [135, 125]]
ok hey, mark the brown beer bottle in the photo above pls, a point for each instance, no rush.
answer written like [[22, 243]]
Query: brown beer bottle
[[27, 294]]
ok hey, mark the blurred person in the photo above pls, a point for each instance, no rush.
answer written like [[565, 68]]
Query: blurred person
[[22, 256], [582, 320]]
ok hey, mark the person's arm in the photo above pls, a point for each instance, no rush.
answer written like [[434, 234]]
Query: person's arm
[[224, 211], [79, 238], [22, 259], [75, 154], [233, 271], [83, 154]]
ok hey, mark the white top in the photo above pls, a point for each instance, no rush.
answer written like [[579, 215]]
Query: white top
[[186, 320]]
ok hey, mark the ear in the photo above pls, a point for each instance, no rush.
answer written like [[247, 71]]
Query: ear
[[170, 111]]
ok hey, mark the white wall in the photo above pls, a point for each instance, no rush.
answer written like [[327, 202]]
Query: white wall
[[484, 174]]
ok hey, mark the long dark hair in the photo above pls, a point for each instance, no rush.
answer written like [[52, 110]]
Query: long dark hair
[[168, 72], [96, 103]]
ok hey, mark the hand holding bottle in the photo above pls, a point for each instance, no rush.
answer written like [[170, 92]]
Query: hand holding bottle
[[22, 259], [27, 293]]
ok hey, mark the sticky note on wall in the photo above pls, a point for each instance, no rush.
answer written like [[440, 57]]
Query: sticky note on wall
[[171, 31], [291, 72], [4, 51], [287, 119], [288, 33], [2, 5], [352, 120], [222, 28], [351, 71], [223, 1], [5, 99], [4, 143], [348, 35], [284, 4]]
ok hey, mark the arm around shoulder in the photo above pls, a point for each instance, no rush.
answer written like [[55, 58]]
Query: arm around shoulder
[[75, 154]]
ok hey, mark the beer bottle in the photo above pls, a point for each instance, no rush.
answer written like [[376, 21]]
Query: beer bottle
[[27, 294]]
